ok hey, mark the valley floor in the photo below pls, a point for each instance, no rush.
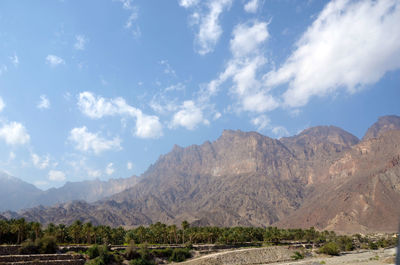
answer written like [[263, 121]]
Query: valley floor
[[364, 257]]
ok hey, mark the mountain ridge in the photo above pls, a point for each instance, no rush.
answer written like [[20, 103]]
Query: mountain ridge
[[245, 178]]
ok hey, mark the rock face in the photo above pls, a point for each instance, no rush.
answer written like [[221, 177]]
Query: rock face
[[323, 177], [11, 189], [384, 124]]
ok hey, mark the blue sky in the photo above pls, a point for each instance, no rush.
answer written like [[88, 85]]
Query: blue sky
[[101, 88]]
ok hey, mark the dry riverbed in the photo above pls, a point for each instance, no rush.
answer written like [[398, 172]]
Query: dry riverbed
[[364, 257]]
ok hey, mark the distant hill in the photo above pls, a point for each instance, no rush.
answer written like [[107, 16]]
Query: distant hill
[[323, 177], [16, 194]]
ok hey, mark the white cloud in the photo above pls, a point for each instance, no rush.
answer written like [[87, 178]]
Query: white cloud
[[12, 155], [93, 173], [41, 183], [251, 6], [86, 141], [14, 133], [349, 45], [56, 175], [14, 60], [280, 131], [54, 60], [188, 3], [206, 16], [189, 116], [3, 69], [41, 163], [134, 15], [167, 68], [129, 165], [247, 60], [147, 126], [261, 122], [80, 42], [110, 169], [2, 104], [217, 115], [44, 102]]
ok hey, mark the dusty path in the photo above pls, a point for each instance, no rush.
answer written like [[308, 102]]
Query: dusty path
[[372, 257]]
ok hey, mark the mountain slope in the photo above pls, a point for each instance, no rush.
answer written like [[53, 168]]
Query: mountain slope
[[365, 194], [384, 124], [12, 188], [323, 177]]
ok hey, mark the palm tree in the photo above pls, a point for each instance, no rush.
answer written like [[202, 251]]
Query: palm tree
[[37, 228], [88, 230], [19, 226], [185, 225]]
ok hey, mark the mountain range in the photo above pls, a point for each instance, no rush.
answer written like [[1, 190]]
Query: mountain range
[[323, 177], [11, 189]]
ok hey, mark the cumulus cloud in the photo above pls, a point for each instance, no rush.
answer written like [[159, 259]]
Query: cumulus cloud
[[261, 122], [2, 104], [93, 173], [56, 175], [54, 60], [189, 116], [96, 107], [80, 42], [92, 142], [134, 15], [129, 165], [251, 6], [247, 60], [44, 102], [206, 17], [14, 133], [40, 162], [110, 169], [351, 44]]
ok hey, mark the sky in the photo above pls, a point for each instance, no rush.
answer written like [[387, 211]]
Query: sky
[[101, 88]]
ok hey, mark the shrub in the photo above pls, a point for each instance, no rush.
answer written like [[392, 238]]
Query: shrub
[[372, 245], [28, 247], [47, 245], [141, 261], [93, 252], [180, 254], [330, 248], [297, 255], [96, 261]]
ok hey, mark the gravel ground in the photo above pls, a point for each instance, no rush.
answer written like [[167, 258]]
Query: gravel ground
[[373, 257]]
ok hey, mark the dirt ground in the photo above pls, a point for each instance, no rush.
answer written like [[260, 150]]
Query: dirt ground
[[372, 257]]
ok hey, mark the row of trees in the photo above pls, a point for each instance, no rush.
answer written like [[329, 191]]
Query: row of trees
[[18, 230]]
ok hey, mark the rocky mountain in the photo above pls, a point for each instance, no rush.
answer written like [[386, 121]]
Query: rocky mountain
[[323, 177], [384, 124], [11, 189]]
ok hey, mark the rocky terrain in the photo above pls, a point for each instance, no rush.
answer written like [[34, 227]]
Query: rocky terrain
[[323, 177]]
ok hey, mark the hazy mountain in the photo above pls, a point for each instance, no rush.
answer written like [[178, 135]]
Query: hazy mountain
[[323, 177], [16, 194]]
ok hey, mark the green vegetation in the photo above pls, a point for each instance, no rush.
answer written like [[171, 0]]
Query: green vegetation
[[330, 248], [37, 239], [297, 255]]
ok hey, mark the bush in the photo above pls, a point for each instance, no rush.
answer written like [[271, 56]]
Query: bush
[[180, 254], [93, 252], [96, 261], [297, 255], [162, 253], [330, 248], [141, 261], [372, 245], [47, 245], [28, 247]]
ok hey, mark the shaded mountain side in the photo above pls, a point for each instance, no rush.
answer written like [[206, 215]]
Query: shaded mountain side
[[384, 124], [360, 192]]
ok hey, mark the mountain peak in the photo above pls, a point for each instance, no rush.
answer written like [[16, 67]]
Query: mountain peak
[[384, 124]]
